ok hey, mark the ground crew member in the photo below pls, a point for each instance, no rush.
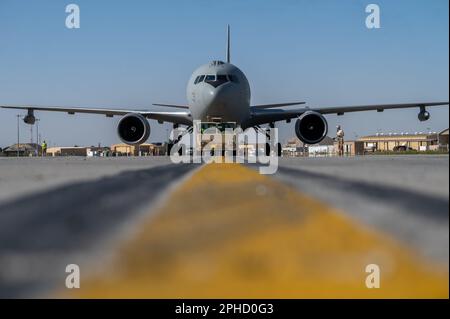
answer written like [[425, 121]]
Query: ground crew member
[[340, 140], [44, 148]]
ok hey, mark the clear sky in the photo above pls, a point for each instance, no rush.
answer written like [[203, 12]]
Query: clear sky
[[130, 54]]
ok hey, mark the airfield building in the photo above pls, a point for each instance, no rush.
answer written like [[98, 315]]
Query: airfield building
[[98, 151], [67, 151], [325, 148], [146, 149], [294, 148], [443, 140], [352, 148], [23, 149], [395, 142]]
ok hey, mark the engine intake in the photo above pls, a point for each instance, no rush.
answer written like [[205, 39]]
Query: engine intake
[[133, 129], [311, 127], [424, 116]]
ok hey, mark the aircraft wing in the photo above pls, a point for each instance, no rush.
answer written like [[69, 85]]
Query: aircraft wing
[[172, 105], [178, 117], [269, 106], [264, 116]]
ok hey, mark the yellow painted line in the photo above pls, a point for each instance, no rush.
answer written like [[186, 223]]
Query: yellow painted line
[[229, 232]]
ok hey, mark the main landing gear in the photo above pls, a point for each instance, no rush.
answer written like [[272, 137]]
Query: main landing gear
[[177, 139], [266, 132]]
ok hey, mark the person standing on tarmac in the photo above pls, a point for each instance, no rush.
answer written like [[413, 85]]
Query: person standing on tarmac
[[44, 148], [340, 140]]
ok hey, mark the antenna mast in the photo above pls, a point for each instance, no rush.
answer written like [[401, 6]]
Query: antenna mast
[[228, 44]]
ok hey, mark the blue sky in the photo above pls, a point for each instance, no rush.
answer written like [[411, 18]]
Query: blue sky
[[130, 54]]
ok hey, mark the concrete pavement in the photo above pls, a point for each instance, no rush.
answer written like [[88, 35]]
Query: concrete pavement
[[78, 220], [143, 228], [407, 197]]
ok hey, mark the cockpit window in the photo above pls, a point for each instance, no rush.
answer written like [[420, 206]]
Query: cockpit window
[[222, 77], [216, 81], [199, 79]]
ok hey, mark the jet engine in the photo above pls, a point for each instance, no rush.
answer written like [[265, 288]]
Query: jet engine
[[423, 115], [311, 127], [133, 129], [29, 118]]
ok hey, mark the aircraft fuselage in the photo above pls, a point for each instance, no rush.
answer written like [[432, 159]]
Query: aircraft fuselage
[[219, 92]]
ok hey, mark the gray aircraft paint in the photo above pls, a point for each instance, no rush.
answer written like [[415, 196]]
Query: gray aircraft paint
[[229, 102]]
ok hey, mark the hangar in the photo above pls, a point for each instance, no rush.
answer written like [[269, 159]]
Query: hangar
[[443, 140], [22, 149], [67, 151], [136, 150], [418, 141]]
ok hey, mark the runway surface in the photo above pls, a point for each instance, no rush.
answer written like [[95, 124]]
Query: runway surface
[[70, 211], [142, 227], [405, 196]]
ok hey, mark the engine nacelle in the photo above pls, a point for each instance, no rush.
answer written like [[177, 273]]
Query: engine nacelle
[[424, 116], [311, 127], [133, 129], [30, 118]]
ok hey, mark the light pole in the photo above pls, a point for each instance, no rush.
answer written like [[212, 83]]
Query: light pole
[[37, 137], [18, 135], [31, 134]]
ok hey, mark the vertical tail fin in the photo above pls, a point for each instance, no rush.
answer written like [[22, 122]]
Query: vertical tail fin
[[228, 44]]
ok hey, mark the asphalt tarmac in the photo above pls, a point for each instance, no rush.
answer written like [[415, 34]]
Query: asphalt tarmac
[[405, 196], [60, 211]]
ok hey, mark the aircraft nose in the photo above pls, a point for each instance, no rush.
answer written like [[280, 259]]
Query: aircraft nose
[[213, 96]]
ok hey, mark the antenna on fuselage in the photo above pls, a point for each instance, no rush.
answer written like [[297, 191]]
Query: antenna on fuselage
[[228, 44]]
